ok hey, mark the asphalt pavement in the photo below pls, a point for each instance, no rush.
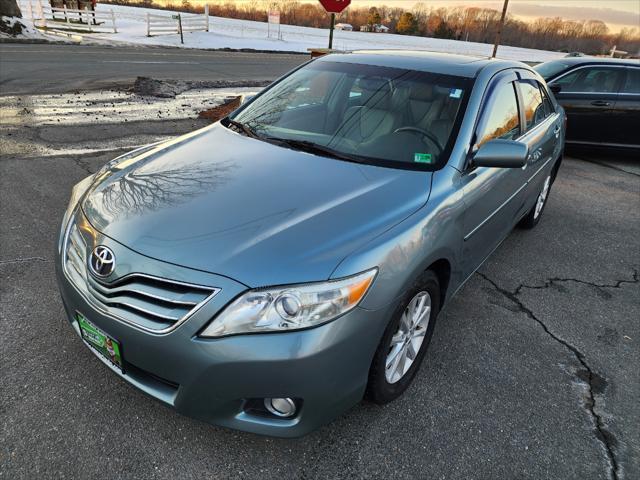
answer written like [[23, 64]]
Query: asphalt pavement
[[46, 68], [532, 371]]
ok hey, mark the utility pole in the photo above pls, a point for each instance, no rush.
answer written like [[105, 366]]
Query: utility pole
[[333, 24], [497, 42]]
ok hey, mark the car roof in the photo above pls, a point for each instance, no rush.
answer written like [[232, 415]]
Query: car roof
[[588, 60], [432, 62]]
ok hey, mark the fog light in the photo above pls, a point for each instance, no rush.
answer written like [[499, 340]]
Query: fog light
[[280, 407]]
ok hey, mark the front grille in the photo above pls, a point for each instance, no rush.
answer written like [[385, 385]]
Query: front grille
[[153, 303]]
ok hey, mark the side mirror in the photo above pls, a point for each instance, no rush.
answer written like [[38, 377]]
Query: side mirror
[[555, 88], [501, 154]]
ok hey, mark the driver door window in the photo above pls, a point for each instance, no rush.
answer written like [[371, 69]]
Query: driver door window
[[502, 119]]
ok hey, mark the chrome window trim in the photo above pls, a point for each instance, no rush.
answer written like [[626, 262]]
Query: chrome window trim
[[553, 116], [103, 311], [596, 93]]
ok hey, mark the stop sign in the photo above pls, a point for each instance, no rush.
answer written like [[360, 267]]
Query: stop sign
[[335, 6]]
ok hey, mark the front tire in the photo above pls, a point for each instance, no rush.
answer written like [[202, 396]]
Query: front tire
[[405, 341]]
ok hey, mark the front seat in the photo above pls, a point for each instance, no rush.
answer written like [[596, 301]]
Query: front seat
[[374, 117], [424, 107]]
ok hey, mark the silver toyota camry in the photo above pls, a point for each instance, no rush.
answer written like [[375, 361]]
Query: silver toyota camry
[[269, 271]]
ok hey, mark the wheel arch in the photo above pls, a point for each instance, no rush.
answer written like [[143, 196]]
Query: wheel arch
[[442, 269]]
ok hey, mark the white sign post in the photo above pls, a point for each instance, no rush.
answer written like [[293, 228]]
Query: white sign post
[[273, 18]]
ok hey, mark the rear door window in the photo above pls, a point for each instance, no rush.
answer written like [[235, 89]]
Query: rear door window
[[532, 100], [548, 106], [502, 119], [591, 80]]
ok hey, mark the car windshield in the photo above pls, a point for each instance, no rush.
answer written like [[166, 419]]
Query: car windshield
[[370, 114], [550, 69]]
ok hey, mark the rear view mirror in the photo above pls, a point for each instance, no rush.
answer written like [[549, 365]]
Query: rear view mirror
[[501, 154], [555, 88]]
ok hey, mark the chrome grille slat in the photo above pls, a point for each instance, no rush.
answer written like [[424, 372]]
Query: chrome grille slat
[[131, 303], [148, 291], [152, 303], [76, 262], [79, 251]]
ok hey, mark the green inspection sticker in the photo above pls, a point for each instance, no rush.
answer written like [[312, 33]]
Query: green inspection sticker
[[422, 158], [106, 346]]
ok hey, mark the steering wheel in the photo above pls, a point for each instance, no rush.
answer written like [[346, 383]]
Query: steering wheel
[[424, 133]]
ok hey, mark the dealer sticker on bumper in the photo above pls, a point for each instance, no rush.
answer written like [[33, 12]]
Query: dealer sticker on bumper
[[106, 346]]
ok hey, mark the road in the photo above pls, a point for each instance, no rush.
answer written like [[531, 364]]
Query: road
[[532, 371], [43, 68]]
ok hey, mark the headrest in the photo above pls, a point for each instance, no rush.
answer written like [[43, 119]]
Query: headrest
[[376, 92], [400, 96], [422, 93], [374, 84]]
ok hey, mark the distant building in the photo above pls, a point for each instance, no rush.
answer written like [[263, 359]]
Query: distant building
[[374, 28], [344, 26]]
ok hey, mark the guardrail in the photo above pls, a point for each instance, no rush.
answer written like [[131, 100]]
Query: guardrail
[[66, 19], [177, 23]]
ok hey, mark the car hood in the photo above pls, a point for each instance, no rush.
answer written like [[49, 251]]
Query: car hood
[[218, 201]]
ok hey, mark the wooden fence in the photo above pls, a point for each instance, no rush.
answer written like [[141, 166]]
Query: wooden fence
[[177, 23]]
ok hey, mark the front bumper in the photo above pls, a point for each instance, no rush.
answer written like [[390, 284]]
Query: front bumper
[[211, 379]]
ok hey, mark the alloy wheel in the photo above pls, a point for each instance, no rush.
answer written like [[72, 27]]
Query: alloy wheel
[[542, 198], [406, 342]]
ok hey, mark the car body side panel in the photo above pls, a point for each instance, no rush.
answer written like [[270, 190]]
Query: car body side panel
[[626, 116], [494, 199], [589, 118]]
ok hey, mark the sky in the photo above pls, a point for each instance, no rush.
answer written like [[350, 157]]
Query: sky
[[615, 13]]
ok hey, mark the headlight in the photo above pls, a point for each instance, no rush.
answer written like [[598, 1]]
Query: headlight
[[290, 308]]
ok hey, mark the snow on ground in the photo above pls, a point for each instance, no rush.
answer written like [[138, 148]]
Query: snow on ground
[[240, 34], [28, 30]]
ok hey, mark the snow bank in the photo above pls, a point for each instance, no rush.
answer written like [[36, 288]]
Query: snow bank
[[246, 34], [11, 25]]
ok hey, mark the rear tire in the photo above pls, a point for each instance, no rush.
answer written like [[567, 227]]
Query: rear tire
[[533, 217], [390, 375]]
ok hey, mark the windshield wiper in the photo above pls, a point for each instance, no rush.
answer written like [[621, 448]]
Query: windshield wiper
[[311, 147], [248, 131]]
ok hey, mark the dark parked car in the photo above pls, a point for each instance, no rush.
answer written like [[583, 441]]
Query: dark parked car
[[601, 97]]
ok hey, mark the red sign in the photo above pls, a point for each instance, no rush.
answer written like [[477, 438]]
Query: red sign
[[335, 6]]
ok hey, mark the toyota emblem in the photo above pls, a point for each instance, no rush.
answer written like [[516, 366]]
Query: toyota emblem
[[102, 261]]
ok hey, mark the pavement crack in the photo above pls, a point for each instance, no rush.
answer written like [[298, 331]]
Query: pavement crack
[[588, 376], [635, 278], [23, 260], [613, 167], [83, 165]]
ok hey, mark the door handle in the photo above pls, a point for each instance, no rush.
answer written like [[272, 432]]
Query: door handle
[[600, 103]]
